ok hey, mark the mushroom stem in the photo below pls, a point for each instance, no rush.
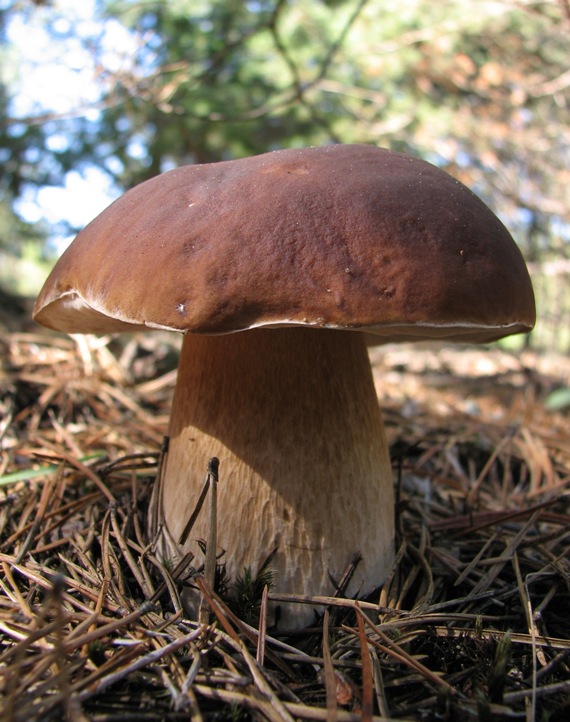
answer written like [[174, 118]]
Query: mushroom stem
[[293, 417]]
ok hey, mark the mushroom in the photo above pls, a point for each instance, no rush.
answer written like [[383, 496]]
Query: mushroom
[[313, 253]]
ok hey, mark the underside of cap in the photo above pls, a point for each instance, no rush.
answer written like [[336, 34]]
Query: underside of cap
[[341, 237]]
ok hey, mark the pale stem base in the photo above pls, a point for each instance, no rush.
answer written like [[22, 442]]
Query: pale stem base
[[293, 417]]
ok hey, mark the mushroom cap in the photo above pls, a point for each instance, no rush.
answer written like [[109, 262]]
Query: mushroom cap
[[343, 237]]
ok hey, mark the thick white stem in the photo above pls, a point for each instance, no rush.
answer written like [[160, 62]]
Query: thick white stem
[[304, 470]]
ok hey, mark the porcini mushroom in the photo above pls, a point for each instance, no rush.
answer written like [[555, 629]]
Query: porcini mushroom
[[310, 252]]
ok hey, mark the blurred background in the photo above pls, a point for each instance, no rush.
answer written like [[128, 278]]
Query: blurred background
[[98, 95]]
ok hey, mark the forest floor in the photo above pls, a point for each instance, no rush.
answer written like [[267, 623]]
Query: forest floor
[[472, 623]]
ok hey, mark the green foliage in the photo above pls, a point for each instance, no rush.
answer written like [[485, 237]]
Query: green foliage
[[483, 94], [247, 591], [217, 79], [558, 400]]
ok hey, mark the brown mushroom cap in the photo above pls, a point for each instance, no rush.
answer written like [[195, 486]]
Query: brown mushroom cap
[[345, 236]]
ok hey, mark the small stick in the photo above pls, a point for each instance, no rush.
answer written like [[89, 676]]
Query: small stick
[[156, 509], [367, 679], [212, 542], [199, 504], [329, 674], [260, 657]]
